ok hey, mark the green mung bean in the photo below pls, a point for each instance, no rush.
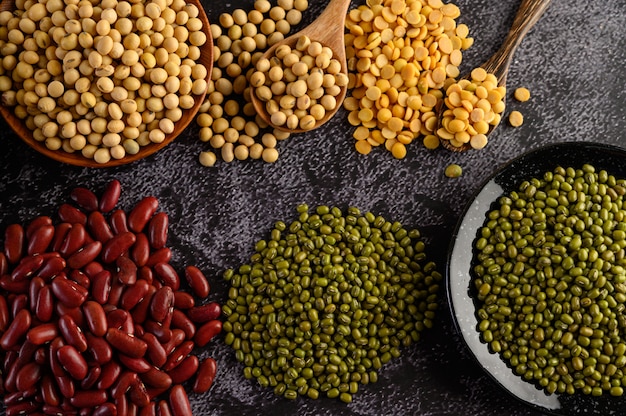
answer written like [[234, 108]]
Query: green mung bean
[[327, 327], [548, 281]]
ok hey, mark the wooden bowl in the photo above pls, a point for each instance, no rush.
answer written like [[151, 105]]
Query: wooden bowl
[[76, 158]]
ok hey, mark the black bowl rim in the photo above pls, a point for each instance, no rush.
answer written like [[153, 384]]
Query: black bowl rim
[[521, 159]]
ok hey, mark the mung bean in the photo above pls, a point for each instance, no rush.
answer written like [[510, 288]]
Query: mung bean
[[330, 313]]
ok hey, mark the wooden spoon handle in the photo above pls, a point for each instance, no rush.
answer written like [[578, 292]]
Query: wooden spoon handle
[[527, 15], [329, 26]]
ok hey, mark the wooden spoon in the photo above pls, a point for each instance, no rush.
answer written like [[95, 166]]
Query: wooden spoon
[[328, 29], [498, 64], [76, 158]]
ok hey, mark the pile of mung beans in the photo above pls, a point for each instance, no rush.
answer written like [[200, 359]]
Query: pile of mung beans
[[93, 317], [550, 281], [401, 54], [327, 300], [227, 120]]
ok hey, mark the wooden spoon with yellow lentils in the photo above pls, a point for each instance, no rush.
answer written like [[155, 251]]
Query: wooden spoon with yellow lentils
[[473, 106]]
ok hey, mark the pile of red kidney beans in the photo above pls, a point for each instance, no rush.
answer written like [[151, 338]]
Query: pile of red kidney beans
[[94, 320]]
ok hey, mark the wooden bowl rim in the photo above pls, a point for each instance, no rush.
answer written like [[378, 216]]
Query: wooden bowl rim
[[76, 158]]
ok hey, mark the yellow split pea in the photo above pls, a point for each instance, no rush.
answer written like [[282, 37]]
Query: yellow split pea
[[401, 54], [473, 107]]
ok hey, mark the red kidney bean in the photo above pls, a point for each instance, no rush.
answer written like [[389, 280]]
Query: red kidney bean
[[18, 302], [4, 263], [126, 343], [149, 410], [101, 287], [117, 246], [145, 273], [12, 286], [72, 334], [85, 255], [134, 294], [177, 337], [95, 317], [185, 370], [98, 227], [91, 269], [79, 278], [178, 355], [119, 222], [68, 213], [88, 398], [27, 376], [205, 313], [140, 310], [110, 196], [140, 252], [75, 312], [68, 292], [49, 392], [51, 267], [127, 270], [44, 305], [4, 314], [156, 378], [162, 303], [14, 239], [123, 383], [179, 401], [197, 281], [141, 213], [167, 275], [138, 394], [183, 300], [138, 365], [163, 334], [84, 198], [36, 223], [180, 320], [99, 349], [23, 408], [16, 330], [106, 409], [162, 255], [205, 376], [156, 353], [36, 283], [43, 333], [26, 267], [60, 233], [73, 362], [163, 408], [40, 239], [207, 332], [109, 375], [92, 377], [157, 230], [74, 240]]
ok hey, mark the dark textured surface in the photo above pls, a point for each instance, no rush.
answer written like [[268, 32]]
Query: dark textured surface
[[572, 61]]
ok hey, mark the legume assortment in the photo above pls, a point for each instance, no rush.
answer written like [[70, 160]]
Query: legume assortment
[[101, 78], [327, 300], [93, 317], [550, 284]]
